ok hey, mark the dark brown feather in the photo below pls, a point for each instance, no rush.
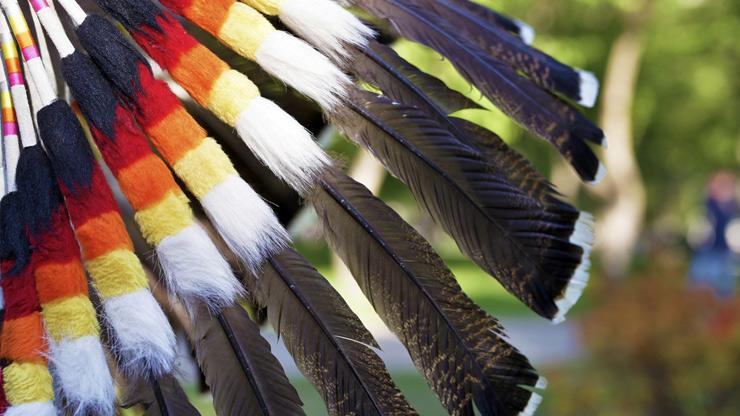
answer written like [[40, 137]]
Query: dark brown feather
[[326, 339], [541, 68], [513, 236], [459, 348], [244, 377], [159, 397]]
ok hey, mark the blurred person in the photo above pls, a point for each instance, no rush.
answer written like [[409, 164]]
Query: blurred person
[[714, 263]]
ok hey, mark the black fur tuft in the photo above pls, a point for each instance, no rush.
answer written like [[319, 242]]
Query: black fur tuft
[[132, 13], [13, 242], [93, 93], [66, 142], [38, 189], [112, 52]]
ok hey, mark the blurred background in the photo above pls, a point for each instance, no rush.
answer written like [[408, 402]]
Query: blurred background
[[658, 330]]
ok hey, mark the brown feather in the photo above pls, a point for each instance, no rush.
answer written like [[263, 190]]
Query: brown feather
[[244, 376], [459, 348], [326, 339]]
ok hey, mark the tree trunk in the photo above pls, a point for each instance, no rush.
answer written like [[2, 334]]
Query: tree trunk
[[618, 229]]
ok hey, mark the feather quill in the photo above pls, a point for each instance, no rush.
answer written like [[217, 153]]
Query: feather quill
[[326, 339], [245, 378], [512, 236], [535, 109], [458, 348]]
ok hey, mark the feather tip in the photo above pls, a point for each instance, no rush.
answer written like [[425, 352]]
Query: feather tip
[[589, 88], [583, 237], [535, 399], [526, 32], [600, 175]]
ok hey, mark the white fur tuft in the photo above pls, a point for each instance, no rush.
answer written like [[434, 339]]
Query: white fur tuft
[[526, 32], [143, 338], [32, 409], [582, 236], [589, 88], [600, 175], [196, 271], [81, 371], [245, 221], [535, 399], [299, 65], [281, 143], [325, 24]]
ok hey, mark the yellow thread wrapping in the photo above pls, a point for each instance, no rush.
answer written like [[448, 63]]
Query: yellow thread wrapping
[[231, 94], [27, 383], [168, 217], [268, 7], [71, 317], [244, 30], [204, 167], [116, 273]]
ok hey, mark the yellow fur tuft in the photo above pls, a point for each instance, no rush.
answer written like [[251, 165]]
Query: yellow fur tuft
[[116, 273], [268, 7], [231, 94], [244, 30], [71, 317], [27, 383], [204, 167], [168, 217]]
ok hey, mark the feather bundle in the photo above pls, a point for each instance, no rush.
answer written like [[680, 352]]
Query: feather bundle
[[143, 339], [192, 265], [85, 29], [227, 93], [27, 382], [195, 158], [500, 210], [68, 314]]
